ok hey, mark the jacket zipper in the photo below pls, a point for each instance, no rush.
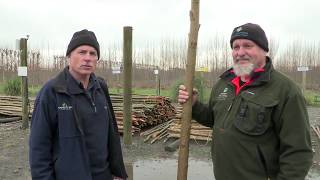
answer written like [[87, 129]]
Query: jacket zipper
[[227, 114], [94, 106], [230, 106], [91, 101]]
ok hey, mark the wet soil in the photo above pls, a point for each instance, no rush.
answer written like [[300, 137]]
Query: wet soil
[[144, 161]]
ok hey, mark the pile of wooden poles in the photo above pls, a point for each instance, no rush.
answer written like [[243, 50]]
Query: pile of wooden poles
[[316, 130], [157, 133], [11, 106], [146, 110], [197, 132], [172, 129]]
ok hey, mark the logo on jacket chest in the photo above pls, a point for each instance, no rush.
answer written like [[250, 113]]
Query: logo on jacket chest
[[223, 95], [65, 107]]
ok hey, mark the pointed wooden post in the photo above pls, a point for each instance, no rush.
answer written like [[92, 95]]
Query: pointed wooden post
[[187, 107]]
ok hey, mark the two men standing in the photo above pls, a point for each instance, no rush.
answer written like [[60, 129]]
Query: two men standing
[[259, 118]]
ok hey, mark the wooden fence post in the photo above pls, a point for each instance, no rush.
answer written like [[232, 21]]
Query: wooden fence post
[[24, 89], [127, 84]]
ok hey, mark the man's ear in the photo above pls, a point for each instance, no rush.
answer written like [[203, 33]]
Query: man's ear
[[68, 57]]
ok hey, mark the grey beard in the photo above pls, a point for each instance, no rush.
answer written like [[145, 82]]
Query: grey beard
[[241, 70]]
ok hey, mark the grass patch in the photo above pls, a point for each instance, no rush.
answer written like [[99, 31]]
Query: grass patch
[[33, 91], [142, 91], [1, 89]]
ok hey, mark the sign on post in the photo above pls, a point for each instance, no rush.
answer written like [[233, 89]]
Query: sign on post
[[303, 68], [116, 70], [156, 72], [22, 71], [202, 69]]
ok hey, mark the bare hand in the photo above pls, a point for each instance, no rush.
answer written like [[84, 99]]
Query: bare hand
[[184, 95]]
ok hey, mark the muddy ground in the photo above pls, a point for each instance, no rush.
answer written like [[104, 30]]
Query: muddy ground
[[145, 161]]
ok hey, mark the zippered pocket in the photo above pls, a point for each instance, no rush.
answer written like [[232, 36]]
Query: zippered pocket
[[254, 117]]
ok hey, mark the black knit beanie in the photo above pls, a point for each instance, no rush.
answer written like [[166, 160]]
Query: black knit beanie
[[252, 32], [83, 37]]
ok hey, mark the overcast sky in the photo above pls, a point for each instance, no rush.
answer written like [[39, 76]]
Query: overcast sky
[[51, 23]]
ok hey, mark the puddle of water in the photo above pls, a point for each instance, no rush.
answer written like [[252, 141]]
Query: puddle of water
[[166, 169], [314, 174]]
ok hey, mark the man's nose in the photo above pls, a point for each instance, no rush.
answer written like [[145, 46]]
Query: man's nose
[[87, 57], [241, 51]]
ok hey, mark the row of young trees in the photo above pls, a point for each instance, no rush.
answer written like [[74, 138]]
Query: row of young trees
[[169, 56]]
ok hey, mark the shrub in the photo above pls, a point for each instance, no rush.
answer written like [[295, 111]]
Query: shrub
[[174, 90], [310, 97], [13, 87], [198, 83]]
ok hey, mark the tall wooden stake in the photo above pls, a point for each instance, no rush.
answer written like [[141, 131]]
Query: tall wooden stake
[[127, 84], [187, 107], [24, 89]]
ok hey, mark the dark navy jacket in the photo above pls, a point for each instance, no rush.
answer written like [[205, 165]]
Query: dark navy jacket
[[57, 142]]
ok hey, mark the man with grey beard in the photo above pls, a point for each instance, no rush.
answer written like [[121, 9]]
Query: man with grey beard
[[260, 123]]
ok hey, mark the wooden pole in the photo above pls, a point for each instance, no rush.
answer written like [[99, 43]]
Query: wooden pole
[[187, 107], [127, 84], [157, 82], [304, 80], [159, 85], [118, 83], [129, 168], [24, 89], [2, 67]]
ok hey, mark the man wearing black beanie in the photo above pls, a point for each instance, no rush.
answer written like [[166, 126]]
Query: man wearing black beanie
[[74, 134], [83, 37], [260, 123]]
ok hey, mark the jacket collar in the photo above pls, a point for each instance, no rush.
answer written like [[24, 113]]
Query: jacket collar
[[65, 83], [257, 77]]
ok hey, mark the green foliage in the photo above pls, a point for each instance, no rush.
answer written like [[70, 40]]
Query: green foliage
[[12, 87], [311, 99], [174, 90], [198, 83], [33, 90], [1, 88]]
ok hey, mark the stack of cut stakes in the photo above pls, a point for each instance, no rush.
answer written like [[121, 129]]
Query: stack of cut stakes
[[146, 110], [11, 106], [172, 129], [316, 129]]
